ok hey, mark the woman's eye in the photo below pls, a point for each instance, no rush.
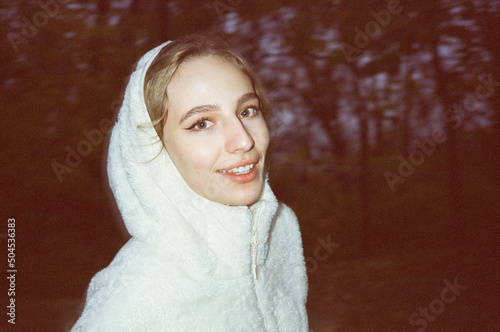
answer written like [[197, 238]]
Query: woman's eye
[[249, 112], [201, 124]]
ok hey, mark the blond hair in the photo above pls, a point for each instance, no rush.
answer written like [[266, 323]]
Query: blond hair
[[172, 55]]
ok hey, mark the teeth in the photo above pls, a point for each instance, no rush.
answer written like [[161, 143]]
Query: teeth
[[239, 170]]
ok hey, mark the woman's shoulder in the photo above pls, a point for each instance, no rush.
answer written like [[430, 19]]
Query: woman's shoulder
[[128, 265], [285, 215], [285, 226], [126, 294]]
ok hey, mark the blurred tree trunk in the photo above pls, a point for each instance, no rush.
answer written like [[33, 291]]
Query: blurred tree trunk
[[489, 22], [379, 131], [364, 176], [407, 105], [380, 96], [99, 41], [363, 61], [323, 98], [453, 160], [433, 27], [488, 18], [406, 118]]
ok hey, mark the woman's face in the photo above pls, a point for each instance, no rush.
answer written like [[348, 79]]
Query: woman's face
[[215, 132]]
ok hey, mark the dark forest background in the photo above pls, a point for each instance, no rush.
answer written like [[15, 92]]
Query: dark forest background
[[386, 143]]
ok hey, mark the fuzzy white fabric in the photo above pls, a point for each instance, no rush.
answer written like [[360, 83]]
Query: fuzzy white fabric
[[191, 264]]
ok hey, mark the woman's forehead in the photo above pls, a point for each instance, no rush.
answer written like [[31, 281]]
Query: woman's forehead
[[210, 67], [208, 79]]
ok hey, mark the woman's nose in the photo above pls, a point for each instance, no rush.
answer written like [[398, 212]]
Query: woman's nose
[[238, 138]]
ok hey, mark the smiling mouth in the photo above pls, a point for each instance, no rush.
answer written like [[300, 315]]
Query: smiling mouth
[[241, 170]]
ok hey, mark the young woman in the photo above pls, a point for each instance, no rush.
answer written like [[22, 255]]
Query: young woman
[[211, 248]]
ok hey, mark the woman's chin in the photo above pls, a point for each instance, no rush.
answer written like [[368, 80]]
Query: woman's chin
[[225, 189], [247, 196], [241, 194]]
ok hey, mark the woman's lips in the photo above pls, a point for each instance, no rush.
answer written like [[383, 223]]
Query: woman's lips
[[240, 174], [239, 169], [246, 162]]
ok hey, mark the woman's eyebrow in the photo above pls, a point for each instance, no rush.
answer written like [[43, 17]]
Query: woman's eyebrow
[[199, 109], [211, 108], [246, 97]]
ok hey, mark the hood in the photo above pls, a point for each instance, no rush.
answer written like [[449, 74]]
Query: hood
[[160, 209]]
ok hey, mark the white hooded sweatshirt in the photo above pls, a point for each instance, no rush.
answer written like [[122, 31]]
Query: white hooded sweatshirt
[[191, 264]]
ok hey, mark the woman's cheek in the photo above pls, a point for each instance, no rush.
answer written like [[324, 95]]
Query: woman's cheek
[[261, 135], [202, 155]]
